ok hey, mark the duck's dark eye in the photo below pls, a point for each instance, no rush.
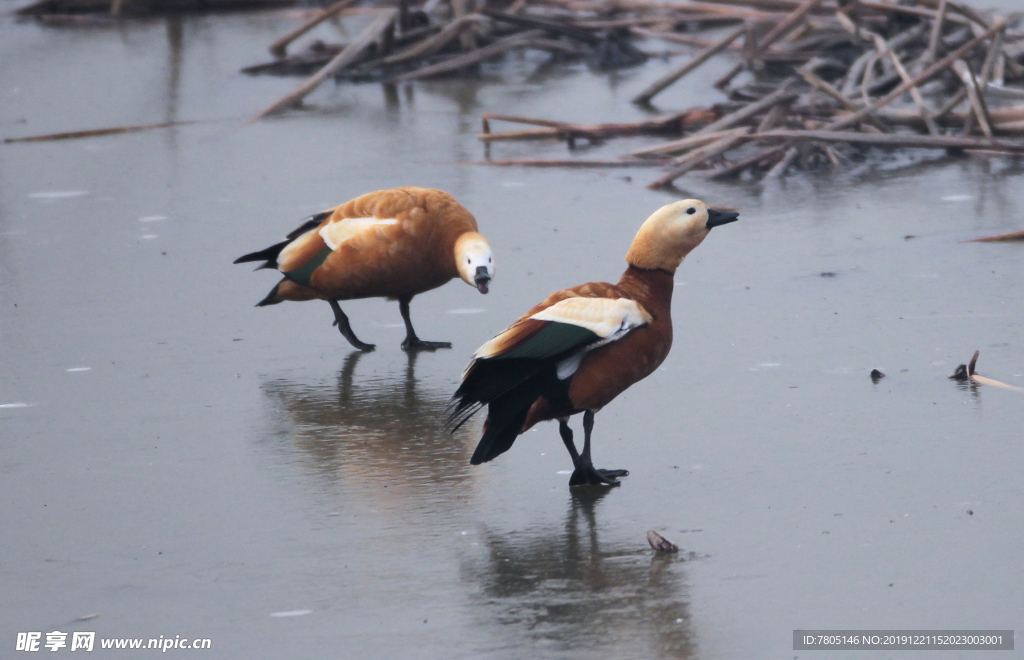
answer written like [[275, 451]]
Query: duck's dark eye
[[691, 211], [469, 260]]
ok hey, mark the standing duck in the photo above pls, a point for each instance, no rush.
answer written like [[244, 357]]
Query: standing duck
[[583, 346], [390, 243]]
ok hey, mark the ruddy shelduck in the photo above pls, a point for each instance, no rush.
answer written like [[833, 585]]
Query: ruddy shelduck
[[390, 243], [583, 346]]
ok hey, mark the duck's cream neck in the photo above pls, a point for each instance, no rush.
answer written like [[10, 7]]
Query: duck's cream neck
[[662, 244]]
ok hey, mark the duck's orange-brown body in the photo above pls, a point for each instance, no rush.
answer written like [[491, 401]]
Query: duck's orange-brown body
[[582, 347], [608, 371], [393, 244], [397, 260]]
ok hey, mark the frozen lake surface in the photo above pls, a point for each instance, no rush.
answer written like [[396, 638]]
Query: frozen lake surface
[[176, 462]]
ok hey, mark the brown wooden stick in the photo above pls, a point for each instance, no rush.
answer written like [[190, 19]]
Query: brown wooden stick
[[933, 38], [431, 45], [352, 52], [893, 140], [973, 94], [696, 158], [516, 119], [469, 59], [780, 167], [771, 118], [786, 25], [954, 101], [516, 136], [910, 10], [724, 81], [690, 142], [1000, 116], [915, 93], [672, 123], [918, 79], [96, 132], [465, 36], [884, 49], [814, 81], [280, 47], [1011, 127], [778, 96], [565, 162], [657, 86], [1000, 238], [741, 165]]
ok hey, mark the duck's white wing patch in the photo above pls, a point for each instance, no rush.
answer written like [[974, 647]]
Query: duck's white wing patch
[[608, 318], [336, 233], [285, 257], [602, 316]]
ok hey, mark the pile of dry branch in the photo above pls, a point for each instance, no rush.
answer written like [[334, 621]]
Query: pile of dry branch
[[825, 77], [415, 42]]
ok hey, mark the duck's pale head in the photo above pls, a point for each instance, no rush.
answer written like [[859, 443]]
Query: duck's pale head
[[672, 232], [474, 260]]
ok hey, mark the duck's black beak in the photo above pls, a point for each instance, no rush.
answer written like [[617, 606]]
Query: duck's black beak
[[482, 279], [716, 218]]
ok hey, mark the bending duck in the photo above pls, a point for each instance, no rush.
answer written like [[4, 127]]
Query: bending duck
[[583, 346], [390, 243]]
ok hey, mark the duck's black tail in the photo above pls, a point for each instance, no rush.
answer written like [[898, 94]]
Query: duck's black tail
[[508, 387], [270, 254]]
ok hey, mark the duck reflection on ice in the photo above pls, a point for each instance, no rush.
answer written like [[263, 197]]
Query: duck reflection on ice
[[375, 432], [566, 593]]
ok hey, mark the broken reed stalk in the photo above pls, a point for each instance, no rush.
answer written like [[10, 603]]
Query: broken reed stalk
[[465, 36], [96, 132], [672, 76], [348, 56], [280, 47], [469, 59], [893, 140], [696, 158], [432, 45], [691, 142], [933, 38], [750, 161], [778, 96], [963, 70], [780, 167], [786, 25], [567, 162], [1000, 238], [919, 78], [819, 84]]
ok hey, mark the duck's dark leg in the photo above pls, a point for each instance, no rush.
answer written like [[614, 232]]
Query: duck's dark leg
[[412, 342], [585, 472], [341, 321], [566, 433]]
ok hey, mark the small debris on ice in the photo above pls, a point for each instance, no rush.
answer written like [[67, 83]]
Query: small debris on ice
[[57, 194], [660, 544]]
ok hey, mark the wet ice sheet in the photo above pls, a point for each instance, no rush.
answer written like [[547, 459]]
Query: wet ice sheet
[[221, 463]]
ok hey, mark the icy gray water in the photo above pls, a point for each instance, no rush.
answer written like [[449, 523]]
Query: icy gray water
[[176, 462]]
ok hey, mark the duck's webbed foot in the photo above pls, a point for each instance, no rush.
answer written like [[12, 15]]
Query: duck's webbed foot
[[412, 342], [417, 344], [586, 474]]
